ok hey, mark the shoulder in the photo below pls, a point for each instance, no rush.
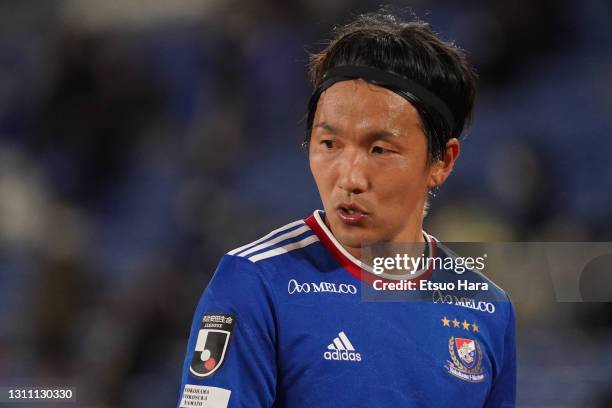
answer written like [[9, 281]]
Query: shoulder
[[464, 268], [252, 269], [292, 237], [480, 292]]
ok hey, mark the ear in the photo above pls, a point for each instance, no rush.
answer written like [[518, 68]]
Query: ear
[[442, 168]]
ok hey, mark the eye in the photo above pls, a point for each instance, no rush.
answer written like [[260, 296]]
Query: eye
[[327, 143], [380, 150]]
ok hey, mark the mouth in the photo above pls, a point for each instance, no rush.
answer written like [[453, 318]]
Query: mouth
[[351, 214]]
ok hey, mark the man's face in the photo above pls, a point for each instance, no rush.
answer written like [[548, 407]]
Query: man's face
[[368, 156]]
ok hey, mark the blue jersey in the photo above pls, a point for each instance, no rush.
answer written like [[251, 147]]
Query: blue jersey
[[283, 324]]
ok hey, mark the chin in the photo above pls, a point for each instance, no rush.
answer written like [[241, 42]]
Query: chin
[[355, 240], [352, 236]]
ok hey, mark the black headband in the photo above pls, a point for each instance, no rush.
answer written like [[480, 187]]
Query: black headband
[[396, 83]]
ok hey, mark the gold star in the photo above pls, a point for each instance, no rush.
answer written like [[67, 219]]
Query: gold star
[[455, 323], [466, 325], [475, 327], [445, 322]]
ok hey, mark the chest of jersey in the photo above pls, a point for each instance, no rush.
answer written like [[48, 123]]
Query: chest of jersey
[[332, 346]]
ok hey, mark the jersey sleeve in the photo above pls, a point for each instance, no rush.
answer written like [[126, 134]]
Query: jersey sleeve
[[231, 358], [503, 390]]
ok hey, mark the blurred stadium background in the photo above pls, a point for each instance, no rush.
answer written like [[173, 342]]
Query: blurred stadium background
[[140, 140]]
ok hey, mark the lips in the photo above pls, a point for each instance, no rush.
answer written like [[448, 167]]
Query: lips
[[351, 214]]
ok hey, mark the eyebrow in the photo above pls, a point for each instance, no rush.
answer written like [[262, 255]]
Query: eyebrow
[[326, 126], [377, 134]]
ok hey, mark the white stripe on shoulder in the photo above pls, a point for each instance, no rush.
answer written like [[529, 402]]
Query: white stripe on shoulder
[[284, 249], [287, 235], [267, 236]]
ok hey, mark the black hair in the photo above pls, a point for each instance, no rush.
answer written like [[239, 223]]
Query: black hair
[[412, 50]]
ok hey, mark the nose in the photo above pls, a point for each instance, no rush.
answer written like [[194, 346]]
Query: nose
[[353, 172]]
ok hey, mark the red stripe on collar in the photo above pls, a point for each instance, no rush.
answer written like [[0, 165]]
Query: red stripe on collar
[[332, 245]]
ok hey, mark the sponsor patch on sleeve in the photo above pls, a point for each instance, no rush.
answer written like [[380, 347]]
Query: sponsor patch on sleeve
[[211, 344], [204, 396]]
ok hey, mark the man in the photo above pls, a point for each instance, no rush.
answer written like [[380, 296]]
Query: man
[[282, 322]]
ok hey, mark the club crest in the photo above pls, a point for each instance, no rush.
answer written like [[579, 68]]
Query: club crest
[[211, 344], [465, 359]]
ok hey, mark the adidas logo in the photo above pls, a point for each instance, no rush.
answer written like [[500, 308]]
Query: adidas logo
[[341, 349]]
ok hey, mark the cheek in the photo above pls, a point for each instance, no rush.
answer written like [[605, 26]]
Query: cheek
[[319, 170], [401, 184]]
